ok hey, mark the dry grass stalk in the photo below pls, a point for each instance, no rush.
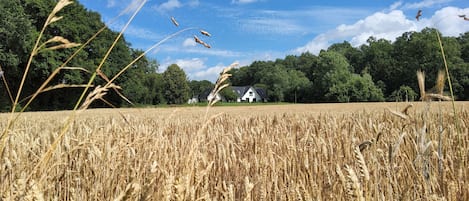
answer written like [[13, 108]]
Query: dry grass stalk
[[2, 75], [205, 33], [437, 89], [173, 20], [220, 84], [368, 143], [104, 77], [395, 147], [96, 94], [421, 82], [404, 114], [58, 7], [197, 40], [440, 82], [50, 19], [63, 44]]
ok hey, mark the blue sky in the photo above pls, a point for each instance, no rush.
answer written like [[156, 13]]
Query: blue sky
[[244, 31]]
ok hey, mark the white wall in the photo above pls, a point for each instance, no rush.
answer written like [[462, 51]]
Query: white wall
[[250, 95]]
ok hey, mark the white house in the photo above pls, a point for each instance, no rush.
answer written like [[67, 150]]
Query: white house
[[244, 94], [206, 96], [250, 94]]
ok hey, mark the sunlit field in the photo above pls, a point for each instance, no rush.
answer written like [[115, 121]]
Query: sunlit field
[[361, 151]]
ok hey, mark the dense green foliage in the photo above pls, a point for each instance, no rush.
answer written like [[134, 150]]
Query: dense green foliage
[[176, 86], [21, 22], [377, 71]]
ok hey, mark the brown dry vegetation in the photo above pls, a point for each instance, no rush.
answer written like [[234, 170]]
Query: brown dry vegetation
[[290, 152]]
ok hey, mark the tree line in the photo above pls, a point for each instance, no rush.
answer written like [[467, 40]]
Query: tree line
[[380, 70], [22, 20]]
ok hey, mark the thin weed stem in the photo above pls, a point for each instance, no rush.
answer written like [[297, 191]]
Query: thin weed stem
[[93, 76], [146, 52], [456, 119], [6, 84]]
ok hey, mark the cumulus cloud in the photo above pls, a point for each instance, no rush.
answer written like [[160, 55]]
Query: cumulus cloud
[[447, 21], [388, 26], [195, 68], [188, 65], [210, 74]]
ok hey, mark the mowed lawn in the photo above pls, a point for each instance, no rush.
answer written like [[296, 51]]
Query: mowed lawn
[[352, 151]]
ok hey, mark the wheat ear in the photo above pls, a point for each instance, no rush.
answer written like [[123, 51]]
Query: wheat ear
[[361, 163]]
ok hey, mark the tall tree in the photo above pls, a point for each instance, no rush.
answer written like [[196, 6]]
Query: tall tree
[[296, 87], [276, 80], [175, 84], [16, 40], [78, 25], [380, 63], [356, 88], [197, 87]]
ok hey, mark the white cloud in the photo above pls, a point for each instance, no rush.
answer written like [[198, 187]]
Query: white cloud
[[168, 6], [273, 26], [297, 22], [214, 52], [319, 43], [425, 4], [133, 6], [136, 31], [388, 26], [188, 65], [130, 8], [447, 21], [193, 3], [243, 1], [395, 5], [197, 49], [111, 3], [195, 68], [189, 42], [210, 74]]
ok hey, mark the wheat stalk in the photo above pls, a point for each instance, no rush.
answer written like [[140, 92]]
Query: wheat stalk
[[361, 163], [353, 185]]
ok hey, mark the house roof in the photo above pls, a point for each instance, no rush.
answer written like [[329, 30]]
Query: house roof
[[241, 90], [261, 92], [204, 94]]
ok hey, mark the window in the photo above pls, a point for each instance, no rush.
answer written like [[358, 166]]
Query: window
[[251, 94]]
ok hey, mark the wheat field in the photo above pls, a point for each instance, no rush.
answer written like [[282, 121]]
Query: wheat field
[[362, 151]]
